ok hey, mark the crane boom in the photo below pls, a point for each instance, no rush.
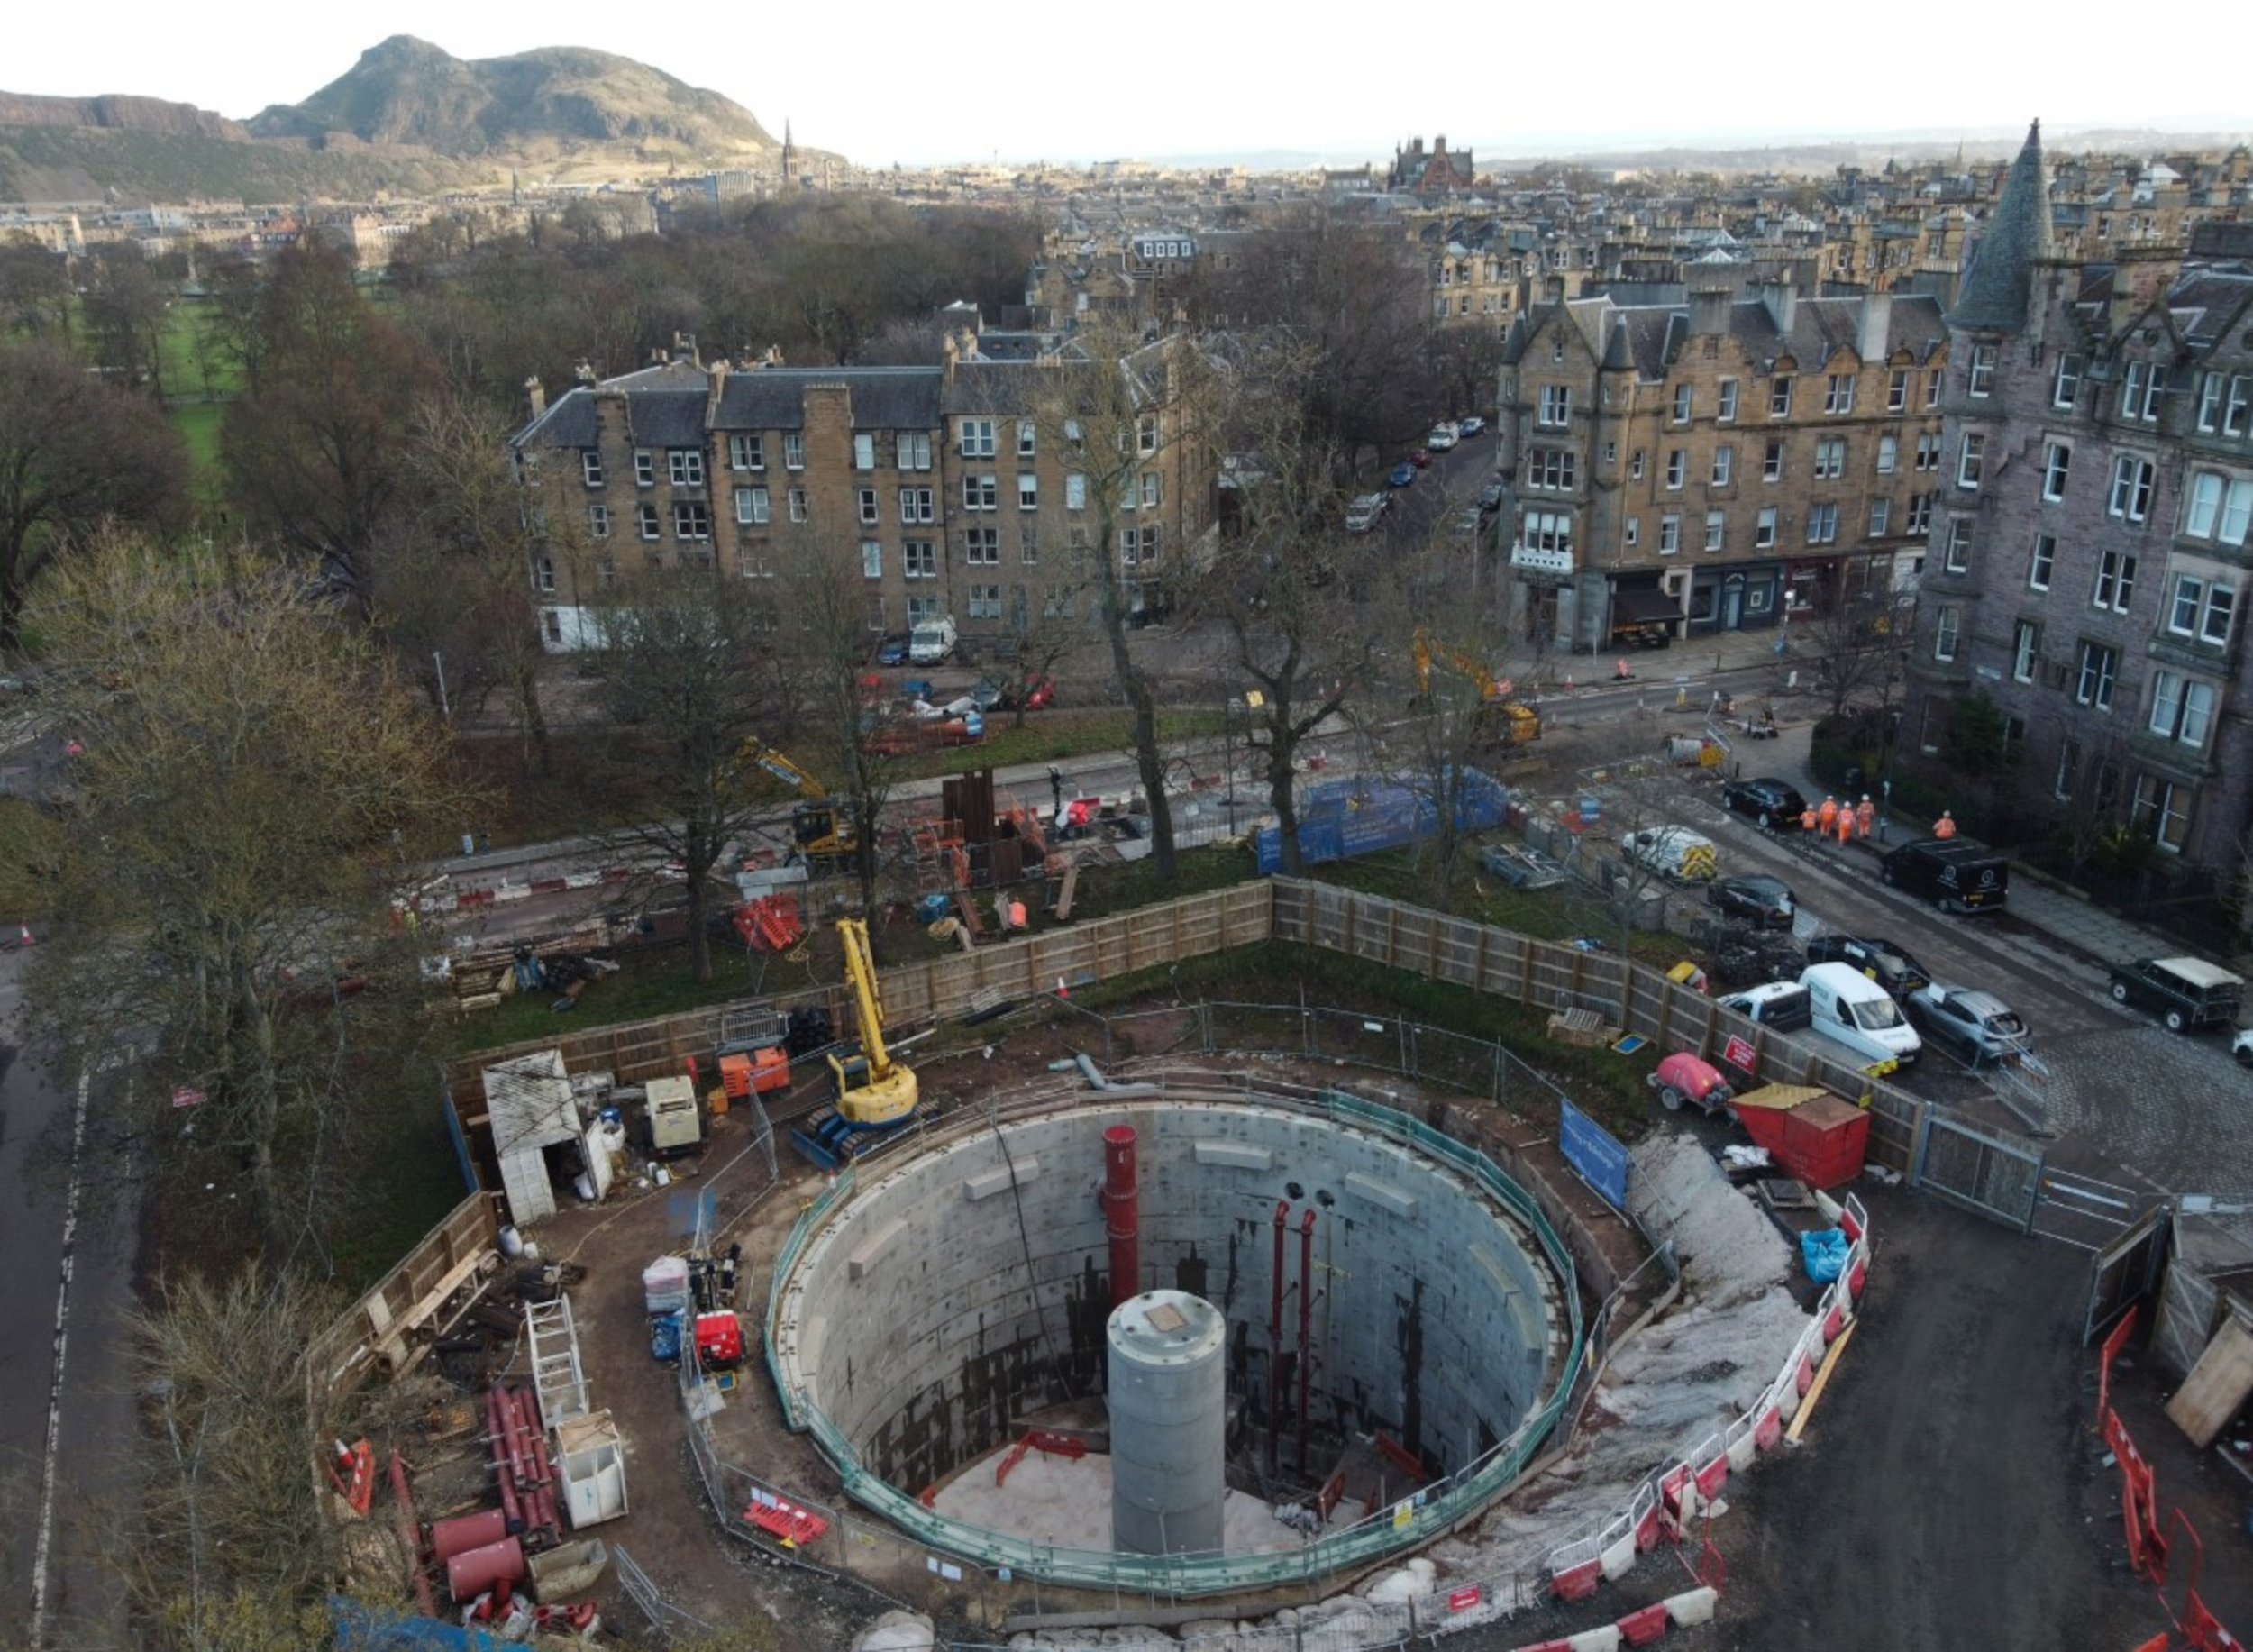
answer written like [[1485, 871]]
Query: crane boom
[[860, 971], [873, 1090]]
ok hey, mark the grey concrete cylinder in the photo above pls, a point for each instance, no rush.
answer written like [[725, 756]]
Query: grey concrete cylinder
[[1168, 1424]]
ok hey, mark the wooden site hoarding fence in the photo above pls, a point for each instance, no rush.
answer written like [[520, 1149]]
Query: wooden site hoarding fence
[[1547, 975]]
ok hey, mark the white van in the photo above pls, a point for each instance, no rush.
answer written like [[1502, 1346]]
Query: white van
[[932, 643], [1674, 853], [1852, 1009]]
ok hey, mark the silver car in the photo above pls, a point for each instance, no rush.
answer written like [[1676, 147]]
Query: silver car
[[1976, 1025]]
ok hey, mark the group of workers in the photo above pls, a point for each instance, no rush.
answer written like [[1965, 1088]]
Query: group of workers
[[1847, 818]]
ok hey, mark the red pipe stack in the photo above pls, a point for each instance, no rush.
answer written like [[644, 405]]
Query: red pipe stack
[[1122, 1212]]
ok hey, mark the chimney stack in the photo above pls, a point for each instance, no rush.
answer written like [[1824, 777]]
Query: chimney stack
[[536, 396], [1708, 311], [716, 376], [1782, 301], [1873, 326]]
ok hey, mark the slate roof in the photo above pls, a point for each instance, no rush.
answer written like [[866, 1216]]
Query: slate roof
[[883, 397], [1650, 336], [2000, 281]]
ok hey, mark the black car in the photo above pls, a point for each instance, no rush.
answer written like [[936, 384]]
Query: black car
[[1759, 899], [1890, 966], [1772, 802]]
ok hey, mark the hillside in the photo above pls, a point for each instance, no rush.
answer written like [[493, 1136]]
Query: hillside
[[407, 91], [407, 119]]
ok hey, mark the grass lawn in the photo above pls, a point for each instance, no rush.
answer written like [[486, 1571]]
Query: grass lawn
[[198, 423]]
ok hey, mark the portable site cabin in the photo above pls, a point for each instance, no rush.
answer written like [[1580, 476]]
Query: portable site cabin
[[539, 1135]]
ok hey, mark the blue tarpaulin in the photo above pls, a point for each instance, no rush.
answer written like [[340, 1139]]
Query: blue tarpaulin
[[1339, 819], [1826, 1253], [361, 1627]]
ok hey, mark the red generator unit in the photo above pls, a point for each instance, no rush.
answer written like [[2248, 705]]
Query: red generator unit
[[719, 1341]]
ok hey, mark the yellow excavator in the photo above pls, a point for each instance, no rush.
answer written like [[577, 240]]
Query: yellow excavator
[[820, 831], [875, 1093], [1509, 723]]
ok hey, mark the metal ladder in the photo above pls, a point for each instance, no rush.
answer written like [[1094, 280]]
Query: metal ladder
[[556, 1377]]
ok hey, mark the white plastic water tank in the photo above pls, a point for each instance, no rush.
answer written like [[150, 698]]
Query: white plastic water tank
[[1168, 1424]]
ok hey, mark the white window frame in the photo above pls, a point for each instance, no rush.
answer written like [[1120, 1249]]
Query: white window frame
[[2114, 588], [793, 450], [1555, 411], [1764, 528], [1830, 458], [644, 468], [1780, 397], [2056, 468], [1880, 517], [1027, 439], [590, 465], [2042, 563], [871, 559], [796, 502], [982, 491], [918, 505], [2065, 385], [1771, 461], [867, 510], [1956, 557], [2162, 807], [1677, 469], [747, 450], [1971, 460], [2026, 650], [1685, 398], [981, 547], [1028, 490], [1727, 390], [1716, 529], [1897, 391], [1724, 465], [2134, 477], [1822, 523], [1888, 453], [1669, 534], [1838, 394], [911, 450], [751, 508], [1076, 491], [1947, 630], [1980, 380], [919, 559], [648, 522], [974, 438]]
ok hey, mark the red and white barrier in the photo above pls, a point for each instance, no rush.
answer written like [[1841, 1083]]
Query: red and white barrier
[[1664, 1504], [1643, 1626]]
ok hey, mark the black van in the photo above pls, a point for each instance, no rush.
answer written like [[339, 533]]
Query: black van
[[1956, 874]]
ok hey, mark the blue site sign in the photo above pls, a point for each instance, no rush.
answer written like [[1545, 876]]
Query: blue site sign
[[1596, 1153]]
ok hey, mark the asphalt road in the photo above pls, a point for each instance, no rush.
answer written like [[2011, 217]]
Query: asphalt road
[[66, 1409]]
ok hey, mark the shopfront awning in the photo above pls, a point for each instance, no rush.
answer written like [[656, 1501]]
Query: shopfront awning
[[1642, 608]]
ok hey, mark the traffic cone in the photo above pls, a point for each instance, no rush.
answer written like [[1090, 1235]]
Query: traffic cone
[[1062, 990], [23, 937]]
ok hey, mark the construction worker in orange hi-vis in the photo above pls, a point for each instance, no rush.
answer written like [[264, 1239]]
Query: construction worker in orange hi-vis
[[1807, 818], [1866, 815], [1944, 826], [1828, 815], [1845, 824]]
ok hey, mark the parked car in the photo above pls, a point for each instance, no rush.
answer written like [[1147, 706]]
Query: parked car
[[1403, 474], [1686, 1077], [2241, 1046], [1977, 1026], [1472, 426], [892, 650], [1783, 1005], [1442, 437], [1760, 899], [1491, 496], [1958, 874], [1420, 458], [2189, 993], [1776, 804], [1362, 514], [1883, 962]]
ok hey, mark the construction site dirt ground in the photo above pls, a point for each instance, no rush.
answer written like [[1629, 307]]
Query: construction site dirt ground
[[1949, 1491]]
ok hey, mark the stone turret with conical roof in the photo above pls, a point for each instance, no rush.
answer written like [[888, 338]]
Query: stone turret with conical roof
[[2000, 284]]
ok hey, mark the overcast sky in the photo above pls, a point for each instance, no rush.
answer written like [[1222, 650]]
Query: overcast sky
[[882, 81]]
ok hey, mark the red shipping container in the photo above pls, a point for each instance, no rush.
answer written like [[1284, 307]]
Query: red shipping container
[[1810, 1133]]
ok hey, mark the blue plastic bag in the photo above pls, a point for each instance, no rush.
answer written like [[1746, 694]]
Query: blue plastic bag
[[1826, 1253]]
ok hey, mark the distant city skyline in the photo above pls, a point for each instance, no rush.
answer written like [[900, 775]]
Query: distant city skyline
[[889, 84]]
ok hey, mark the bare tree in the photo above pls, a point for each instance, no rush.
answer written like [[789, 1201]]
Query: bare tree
[[1117, 410], [822, 653], [454, 586], [682, 673], [249, 780], [73, 452], [1853, 645]]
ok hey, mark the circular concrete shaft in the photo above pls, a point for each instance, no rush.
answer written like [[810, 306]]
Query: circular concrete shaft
[[1169, 1400]]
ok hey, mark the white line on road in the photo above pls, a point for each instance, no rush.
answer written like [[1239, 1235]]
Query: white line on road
[[54, 1391]]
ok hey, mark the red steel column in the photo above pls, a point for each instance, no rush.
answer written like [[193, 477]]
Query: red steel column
[[1275, 1345], [1122, 1212], [1306, 1325]]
